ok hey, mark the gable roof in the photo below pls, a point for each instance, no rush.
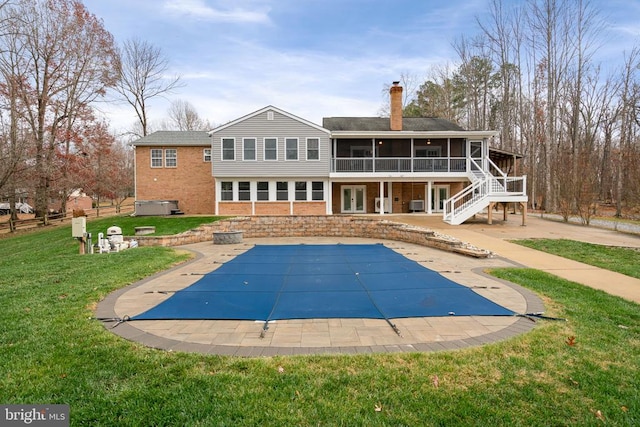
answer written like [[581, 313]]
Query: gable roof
[[382, 124], [175, 137], [263, 110]]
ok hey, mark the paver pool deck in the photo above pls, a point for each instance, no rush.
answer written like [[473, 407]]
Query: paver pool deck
[[319, 336]]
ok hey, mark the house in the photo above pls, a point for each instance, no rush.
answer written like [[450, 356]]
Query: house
[[174, 166], [271, 162]]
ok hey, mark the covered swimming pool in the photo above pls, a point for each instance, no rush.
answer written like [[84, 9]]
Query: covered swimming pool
[[309, 281]]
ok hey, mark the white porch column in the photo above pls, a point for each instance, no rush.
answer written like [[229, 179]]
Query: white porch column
[[328, 196], [390, 191], [218, 188], [428, 198], [381, 197]]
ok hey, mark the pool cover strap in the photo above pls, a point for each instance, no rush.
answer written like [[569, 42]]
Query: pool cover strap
[[272, 282]]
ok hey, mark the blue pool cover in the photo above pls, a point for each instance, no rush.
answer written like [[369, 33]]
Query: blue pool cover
[[270, 282]]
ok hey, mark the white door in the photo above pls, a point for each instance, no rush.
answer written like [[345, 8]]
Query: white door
[[439, 195], [353, 199]]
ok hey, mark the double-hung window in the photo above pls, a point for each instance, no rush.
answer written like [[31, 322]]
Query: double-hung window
[[271, 148], [228, 149], [263, 190], [282, 190], [226, 190], [249, 149], [170, 158], [244, 190], [317, 190], [301, 190], [313, 149], [206, 155], [156, 158], [291, 148]]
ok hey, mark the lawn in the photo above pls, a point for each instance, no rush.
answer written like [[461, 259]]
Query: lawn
[[621, 260], [165, 225], [53, 351]]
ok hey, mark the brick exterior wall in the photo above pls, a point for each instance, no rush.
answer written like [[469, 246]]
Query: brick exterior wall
[[190, 183], [271, 208], [234, 208], [319, 225]]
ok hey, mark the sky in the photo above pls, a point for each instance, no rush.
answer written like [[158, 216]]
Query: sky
[[311, 58]]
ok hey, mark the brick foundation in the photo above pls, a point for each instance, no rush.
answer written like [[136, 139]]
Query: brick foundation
[[317, 225]]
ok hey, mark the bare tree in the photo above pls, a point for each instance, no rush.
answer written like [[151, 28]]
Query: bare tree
[[66, 61], [410, 84], [143, 76], [183, 116]]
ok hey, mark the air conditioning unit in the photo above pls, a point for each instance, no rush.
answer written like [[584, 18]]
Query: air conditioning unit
[[416, 206], [387, 204]]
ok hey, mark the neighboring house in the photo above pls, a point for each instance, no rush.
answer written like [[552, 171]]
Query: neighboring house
[[271, 162]]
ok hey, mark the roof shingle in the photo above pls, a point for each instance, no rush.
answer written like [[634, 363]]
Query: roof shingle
[[382, 124], [175, 137]]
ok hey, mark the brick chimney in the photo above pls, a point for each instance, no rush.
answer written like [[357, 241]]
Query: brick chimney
[[396, 106]]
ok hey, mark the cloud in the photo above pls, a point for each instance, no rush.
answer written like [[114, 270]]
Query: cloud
[[200, 10]]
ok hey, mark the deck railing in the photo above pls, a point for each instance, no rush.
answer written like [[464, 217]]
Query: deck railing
[[399, 164]]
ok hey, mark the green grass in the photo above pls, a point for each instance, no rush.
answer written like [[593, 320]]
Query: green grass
[[53, 351], [621, 260], [165, 225]]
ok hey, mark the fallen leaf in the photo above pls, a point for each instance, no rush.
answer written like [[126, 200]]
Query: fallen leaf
[[378, 407], [571, 341], [280, 369], [598, 414], [436, 381], [624, 409]]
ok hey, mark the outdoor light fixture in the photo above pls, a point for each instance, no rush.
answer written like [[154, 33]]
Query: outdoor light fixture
[[428, 141]]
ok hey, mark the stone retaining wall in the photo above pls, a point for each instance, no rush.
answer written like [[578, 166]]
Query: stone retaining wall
[[320, 225]]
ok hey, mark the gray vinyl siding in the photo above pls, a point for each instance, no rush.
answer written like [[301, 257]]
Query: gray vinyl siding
[[281, 127]]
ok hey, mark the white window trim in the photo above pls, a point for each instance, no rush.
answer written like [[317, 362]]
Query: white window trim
[[205, 155], [264, 149], [268, 191], [324, 185], [288, 191], [307, 151], [255, 149], [237, 195], [306, 191], [170, 158], [233, 191], [161, 158], [297, 150], [222, 149]]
